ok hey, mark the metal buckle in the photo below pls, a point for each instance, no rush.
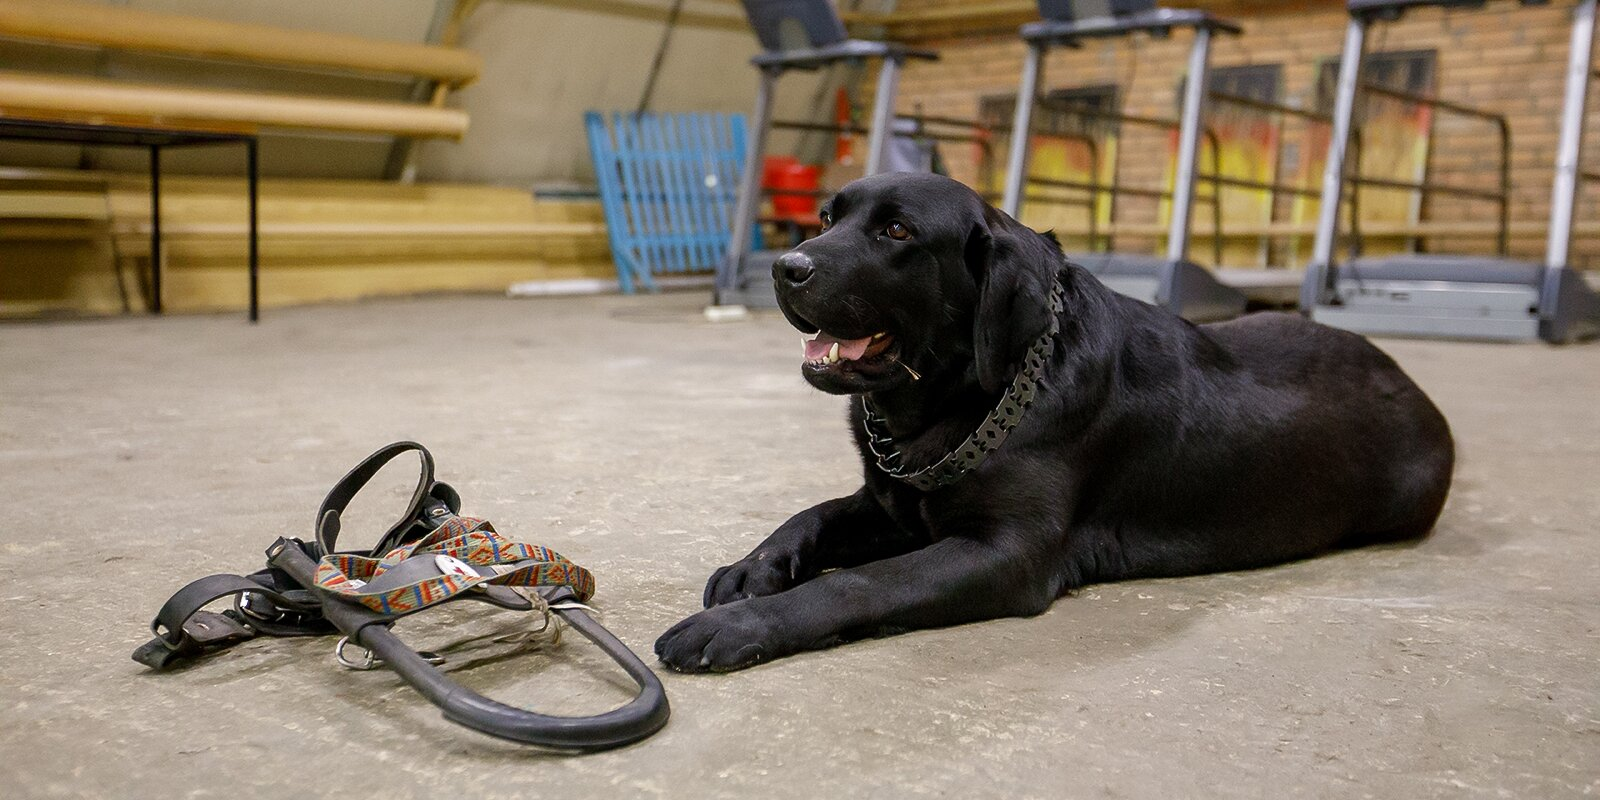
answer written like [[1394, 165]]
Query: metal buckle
[[161, 630], [249, 610]]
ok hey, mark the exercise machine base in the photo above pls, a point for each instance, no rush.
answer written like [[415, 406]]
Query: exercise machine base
[[1470, 298], [1155, 280], [750, 283]]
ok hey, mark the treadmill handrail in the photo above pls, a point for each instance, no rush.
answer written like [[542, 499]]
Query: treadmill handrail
[[1158, 21], [815, 57], [1390, 10]]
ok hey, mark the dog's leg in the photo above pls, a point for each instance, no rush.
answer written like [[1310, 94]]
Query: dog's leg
[[953, 581], [839, 533]]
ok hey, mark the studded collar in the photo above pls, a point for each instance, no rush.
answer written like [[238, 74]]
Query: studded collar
[[988, 437]]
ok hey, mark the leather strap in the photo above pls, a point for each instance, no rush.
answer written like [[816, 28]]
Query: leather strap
[[204, 632], [183, 630], [406, 528], [169, 621]]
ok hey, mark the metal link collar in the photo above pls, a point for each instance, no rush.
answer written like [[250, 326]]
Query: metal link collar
[[988, 437]]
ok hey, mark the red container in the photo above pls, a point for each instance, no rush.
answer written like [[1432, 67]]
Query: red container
[[782, 173]]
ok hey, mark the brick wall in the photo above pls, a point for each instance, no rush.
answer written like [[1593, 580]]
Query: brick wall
[[1503, 58]]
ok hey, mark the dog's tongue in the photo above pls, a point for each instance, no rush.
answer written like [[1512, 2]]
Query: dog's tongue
[[849, 349]]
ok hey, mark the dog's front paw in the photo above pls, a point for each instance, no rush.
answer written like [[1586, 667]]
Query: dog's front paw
[[720, 639], [762, 573]]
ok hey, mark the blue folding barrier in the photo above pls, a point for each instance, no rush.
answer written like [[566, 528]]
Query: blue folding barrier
[[668, 184]]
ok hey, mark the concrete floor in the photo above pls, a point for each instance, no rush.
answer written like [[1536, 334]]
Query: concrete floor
[[652, 447]]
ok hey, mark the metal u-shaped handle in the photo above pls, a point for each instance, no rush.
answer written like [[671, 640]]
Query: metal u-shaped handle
[[641, 717]]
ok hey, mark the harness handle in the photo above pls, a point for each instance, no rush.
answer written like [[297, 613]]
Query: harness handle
[[339, 497], [641, 717]]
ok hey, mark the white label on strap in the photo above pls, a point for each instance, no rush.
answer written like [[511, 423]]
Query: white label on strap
[[450, 565]]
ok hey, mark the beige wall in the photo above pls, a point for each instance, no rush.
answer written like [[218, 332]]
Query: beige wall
[[545, 64]]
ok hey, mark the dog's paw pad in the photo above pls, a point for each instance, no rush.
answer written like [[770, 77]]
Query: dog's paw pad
[[758, 575], [720, 639]]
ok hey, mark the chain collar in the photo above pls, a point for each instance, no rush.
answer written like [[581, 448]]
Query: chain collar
[[988, 437]]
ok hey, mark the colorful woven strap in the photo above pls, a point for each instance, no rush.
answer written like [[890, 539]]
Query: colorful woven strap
[[474, 543]]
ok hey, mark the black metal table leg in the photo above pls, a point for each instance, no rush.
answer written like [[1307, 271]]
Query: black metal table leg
[[255, 255], [155, 228], [154, 140]]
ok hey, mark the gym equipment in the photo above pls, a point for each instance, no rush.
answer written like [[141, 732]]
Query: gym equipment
[[804, 35], [1172, 280], [1449, 296], [430, 556]]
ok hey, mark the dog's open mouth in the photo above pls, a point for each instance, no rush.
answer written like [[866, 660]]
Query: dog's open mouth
[[825, 351]]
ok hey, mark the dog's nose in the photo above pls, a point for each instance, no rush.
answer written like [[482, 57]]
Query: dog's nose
[[793, 267]]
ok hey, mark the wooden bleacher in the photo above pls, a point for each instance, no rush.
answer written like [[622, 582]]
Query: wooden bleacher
[[75, 99], [321, 241], [92, 110]]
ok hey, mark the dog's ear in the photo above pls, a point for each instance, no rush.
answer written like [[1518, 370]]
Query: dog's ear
[[1011, 266]]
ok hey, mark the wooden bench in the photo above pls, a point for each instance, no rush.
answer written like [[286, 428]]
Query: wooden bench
[[54, 97], [88, 110]]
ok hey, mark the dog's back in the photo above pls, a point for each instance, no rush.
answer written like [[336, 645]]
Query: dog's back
[[1400, 445], [1294, 438]]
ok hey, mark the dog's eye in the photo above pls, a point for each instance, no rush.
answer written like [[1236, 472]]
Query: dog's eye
[[897, 231], [827, 221]]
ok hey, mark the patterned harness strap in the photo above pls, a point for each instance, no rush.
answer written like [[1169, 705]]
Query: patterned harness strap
[[462, 554]]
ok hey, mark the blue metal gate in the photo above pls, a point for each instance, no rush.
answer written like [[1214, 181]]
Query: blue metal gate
[[668, 184]]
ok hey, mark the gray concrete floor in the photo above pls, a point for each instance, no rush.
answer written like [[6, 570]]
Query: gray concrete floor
[[652, 447]]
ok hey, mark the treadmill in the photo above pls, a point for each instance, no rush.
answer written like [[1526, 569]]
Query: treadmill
[[1452, 296], [1171, 280], [804, 35]]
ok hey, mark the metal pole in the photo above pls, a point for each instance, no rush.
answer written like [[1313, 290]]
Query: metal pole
[[661, 55], [1094, 190], [744, 213], [443, 29], [883, 115], [1319, 273], [1183, 186], [1216, 198], [1504, 241], [252, 172], [155, 228], [1569, 153], [1021, 127]]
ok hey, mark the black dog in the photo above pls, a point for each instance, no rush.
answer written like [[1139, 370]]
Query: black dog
[[1150, 447]]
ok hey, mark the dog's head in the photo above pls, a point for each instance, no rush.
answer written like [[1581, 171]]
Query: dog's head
[[915, 275]]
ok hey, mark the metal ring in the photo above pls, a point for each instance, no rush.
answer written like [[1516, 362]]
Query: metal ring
[[368, 661]]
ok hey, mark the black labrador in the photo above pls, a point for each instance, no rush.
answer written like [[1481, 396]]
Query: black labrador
[[1150, 447]]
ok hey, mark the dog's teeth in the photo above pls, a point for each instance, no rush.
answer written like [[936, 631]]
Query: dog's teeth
[[833, 353], [879, 335]]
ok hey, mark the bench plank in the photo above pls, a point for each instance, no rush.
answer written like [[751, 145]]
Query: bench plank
[[59, 98], [70, 22], [53, 205]]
